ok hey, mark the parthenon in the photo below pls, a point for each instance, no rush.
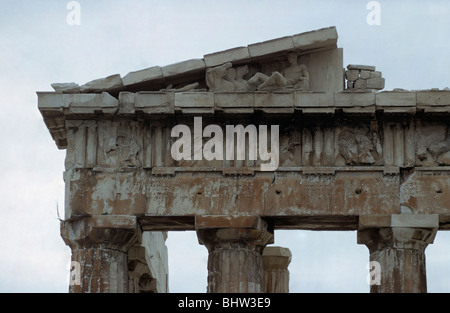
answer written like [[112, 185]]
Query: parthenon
[[349, 156]]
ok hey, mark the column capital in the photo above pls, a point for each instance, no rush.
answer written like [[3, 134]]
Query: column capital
[[99, 245], [277, 258], [109, 232], [396, 238], [235, 245], [404, 231], [276, 274], [397, 244], [213, 230]]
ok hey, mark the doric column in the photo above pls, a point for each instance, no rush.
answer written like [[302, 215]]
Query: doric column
[[397, 250], [138, 272], [235, 246], [276, 274], [99, 249]]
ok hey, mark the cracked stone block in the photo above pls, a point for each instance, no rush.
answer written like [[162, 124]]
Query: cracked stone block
[[103, 84], [352, 75], [375, 74], [66, 87], [316, 39], [375, 83], [149, 74], [365, 74], [188, 66], [270, 46], [232, 55], [360, 84]]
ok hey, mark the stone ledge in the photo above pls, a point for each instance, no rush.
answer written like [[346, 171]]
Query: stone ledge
[[316, 39], [396, 99], [270, 47], [111, 83], [183, 67], [57, 107], [274, 100], [399, 220], [433, 101], [354, 99], [146, 75], [314, 102], [236, 56], [252, 170], [230, 221], [154, 103], [94, 103]]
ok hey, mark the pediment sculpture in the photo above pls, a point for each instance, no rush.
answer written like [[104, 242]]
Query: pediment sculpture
[[227, 78]]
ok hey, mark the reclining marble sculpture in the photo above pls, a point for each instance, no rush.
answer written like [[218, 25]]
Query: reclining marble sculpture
[[226, 78]]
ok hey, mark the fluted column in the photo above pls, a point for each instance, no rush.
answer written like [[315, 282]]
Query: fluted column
[[276, 274], [235, 246], [397, 248], [137, 268], [99, 247]]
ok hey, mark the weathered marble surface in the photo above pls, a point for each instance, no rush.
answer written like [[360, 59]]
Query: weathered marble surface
[[317, 48], [363, 77], [276, 274], [355, 159], [106, 157], [397, 244]]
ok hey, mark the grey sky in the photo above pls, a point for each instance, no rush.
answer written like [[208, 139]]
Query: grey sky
[[411, 47]]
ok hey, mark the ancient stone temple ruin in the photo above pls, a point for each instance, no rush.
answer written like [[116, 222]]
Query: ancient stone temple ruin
[[238, 144]]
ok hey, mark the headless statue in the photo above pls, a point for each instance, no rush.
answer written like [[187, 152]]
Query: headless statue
[[226, 78], [218, 78], [295, 76]]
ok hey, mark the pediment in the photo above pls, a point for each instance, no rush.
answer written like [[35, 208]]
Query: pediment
[[316, 50]]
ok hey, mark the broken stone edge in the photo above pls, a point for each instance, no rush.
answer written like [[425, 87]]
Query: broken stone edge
[[325, 38]]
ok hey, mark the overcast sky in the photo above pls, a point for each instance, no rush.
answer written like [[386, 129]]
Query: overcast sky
[[38, 47]]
